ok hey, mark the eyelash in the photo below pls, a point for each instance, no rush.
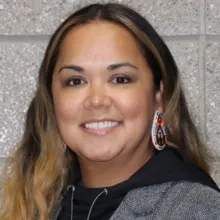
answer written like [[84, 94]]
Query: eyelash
[[125, 78], [68, 83]]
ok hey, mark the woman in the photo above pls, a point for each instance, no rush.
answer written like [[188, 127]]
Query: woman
[[95, 144]]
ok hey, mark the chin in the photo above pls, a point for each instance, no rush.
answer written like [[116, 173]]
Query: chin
[[102, 157]]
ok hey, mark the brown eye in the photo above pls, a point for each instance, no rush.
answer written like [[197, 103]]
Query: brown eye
[[121, 80], [75, 82]]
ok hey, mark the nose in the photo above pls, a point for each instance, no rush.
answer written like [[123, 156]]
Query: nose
[[97, 98]]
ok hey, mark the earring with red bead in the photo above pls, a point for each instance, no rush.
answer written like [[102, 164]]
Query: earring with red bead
[[158, 131]]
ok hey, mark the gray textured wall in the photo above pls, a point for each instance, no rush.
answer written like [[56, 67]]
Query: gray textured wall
[[191, 29]]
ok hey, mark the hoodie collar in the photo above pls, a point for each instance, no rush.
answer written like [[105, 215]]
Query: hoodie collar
[[165, 166]]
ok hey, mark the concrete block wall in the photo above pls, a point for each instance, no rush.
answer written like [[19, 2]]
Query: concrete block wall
[[191, 29]]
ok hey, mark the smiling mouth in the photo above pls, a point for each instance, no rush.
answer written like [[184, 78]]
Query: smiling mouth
[[100, 128]]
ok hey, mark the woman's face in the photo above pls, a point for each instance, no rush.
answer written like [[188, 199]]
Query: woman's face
[[103, 93]]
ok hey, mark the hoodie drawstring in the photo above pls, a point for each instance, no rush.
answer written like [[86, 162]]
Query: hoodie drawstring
[[73, 189], [90, 210], [93, 203]]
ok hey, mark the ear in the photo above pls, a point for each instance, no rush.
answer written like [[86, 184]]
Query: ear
[[158, 98]]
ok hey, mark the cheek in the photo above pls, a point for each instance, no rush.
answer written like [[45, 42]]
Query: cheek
[[136, 104], [67, 107]]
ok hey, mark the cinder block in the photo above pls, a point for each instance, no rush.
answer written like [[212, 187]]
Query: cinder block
[[1, 93], [2, 166], [212, 16], [170, 17], [19, 67], [2, 163], [213, 95], [43, 16], [187, 58]]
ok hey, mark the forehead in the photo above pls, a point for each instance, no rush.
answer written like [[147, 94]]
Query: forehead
[[99, 40]]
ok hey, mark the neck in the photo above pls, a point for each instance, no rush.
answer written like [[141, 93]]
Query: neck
[[106, 174]]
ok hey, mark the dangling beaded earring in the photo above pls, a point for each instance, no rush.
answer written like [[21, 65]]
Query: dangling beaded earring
[[158, 132]]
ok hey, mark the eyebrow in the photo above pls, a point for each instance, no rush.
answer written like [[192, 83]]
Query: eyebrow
[[72, 67], [119, 65], [110, 67]]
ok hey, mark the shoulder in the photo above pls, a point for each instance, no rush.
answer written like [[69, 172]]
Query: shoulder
[[175, 200]]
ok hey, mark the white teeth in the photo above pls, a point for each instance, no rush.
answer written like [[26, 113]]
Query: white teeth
[[106, 124], [101, 125], [94, 125]]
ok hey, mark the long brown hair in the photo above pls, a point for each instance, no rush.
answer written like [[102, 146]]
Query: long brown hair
[[39, 169]]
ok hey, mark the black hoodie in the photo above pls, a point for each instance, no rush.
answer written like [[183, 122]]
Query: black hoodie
[[100, 203]]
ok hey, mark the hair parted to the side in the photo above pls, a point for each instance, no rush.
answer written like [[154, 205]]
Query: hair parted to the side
[[39, 169]]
